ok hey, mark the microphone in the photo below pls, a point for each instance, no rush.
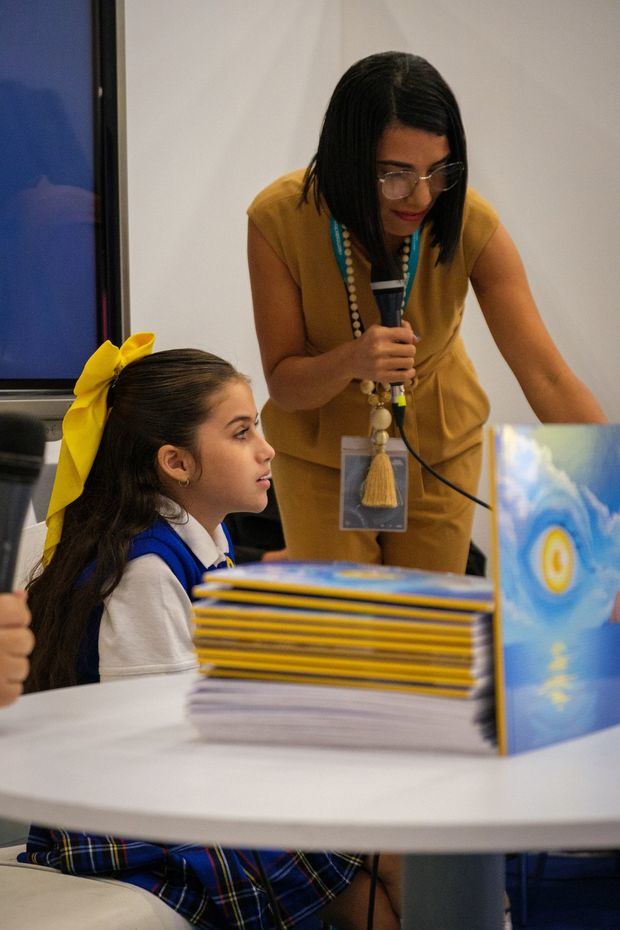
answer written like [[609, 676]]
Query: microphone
[[388, 293], [22, 443]]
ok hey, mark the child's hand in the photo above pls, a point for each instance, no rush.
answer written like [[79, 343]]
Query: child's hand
[[16, 644]]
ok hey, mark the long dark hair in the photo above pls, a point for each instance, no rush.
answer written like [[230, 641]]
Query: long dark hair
[[160, 399], [382, 89]]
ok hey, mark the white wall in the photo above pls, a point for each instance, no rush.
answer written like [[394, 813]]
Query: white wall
[[223, 95]]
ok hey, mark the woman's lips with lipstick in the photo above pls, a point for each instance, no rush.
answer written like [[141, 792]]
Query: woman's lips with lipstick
[[409, 217]]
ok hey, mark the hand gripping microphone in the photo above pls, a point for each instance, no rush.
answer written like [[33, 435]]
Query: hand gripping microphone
[[22, 442], [388, 293]]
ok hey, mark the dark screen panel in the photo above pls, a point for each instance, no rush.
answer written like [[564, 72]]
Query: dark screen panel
[[51, 295]]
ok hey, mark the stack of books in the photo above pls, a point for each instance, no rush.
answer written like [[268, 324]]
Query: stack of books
[[382, 657], [344, 654]]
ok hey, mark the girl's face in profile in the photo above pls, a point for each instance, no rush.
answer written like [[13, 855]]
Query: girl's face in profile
[[233, 468], [402, 148]]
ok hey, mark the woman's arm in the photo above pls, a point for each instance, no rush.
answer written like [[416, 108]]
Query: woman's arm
[[554, 393], [296, 380]]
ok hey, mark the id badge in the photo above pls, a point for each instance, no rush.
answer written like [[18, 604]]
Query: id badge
[[355, 457]]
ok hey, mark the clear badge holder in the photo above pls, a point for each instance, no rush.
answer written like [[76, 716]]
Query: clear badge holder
[[355, 458]]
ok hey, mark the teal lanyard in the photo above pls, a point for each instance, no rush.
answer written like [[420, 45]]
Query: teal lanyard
[[335, 231]]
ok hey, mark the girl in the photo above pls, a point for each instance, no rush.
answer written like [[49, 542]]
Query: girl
[[387, 193], [157, 449]]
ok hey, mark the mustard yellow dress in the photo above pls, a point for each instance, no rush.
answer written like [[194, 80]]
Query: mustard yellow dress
[[445, 410]]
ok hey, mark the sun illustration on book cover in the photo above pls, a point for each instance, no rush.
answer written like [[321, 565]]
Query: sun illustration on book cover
[[558, 517]]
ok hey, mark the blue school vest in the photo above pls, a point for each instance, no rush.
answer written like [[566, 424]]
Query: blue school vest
[[162, 540]]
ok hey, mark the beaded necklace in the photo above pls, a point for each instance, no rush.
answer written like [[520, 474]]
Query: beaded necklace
[[378, 394], [343, 253], [356, 322]]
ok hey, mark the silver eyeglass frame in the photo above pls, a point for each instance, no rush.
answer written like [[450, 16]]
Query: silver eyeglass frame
[[420, 177]]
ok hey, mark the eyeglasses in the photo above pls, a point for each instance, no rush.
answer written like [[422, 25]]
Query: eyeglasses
[[399, 184]]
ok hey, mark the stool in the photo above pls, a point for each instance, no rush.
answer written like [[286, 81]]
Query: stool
[[35, 897]]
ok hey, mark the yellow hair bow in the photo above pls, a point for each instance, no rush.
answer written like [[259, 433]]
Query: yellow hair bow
[[82, 427]]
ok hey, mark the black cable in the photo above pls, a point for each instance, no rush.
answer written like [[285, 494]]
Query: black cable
[[275, 910], [374, 872], [399, 415]]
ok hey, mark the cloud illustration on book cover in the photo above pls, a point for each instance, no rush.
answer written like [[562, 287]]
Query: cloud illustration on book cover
[[559, 543]]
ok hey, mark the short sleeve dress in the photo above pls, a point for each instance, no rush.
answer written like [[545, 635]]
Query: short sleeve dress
[[447, 407]]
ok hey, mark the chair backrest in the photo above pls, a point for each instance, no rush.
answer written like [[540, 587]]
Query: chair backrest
[[29, 553]]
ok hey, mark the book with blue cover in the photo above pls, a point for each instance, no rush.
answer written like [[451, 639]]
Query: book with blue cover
[[325, 602], [354, 581], [212, 614], [556, 498]]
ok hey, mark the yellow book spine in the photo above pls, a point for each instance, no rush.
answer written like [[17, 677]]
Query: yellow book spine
[[325, 604], [341, 666], [355, 632], [253, 675], [498, 649], [395, 646], [348, 594]]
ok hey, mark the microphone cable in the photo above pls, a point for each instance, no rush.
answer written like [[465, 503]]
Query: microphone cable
[[273, 903], [398, 413], [391, 295], [374, 873]]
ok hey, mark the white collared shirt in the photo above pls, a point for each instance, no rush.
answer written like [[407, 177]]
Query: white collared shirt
[[146, 625]]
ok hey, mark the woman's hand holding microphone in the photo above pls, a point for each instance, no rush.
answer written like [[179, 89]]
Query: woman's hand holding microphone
[[385, 354]]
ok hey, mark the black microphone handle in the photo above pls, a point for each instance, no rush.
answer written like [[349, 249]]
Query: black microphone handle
[[389, 303], [14, 500]]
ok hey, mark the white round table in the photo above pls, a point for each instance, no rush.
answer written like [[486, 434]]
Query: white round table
[[121, 758]]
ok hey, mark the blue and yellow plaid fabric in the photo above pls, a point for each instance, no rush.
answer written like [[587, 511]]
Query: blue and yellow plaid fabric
[[213, 888]]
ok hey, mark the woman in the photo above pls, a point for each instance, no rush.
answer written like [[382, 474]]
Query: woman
[[388, 184]]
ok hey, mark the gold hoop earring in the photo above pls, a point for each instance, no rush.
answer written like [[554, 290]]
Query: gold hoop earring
[[184, 483]]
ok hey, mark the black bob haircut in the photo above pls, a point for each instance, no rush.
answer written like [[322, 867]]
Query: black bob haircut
[[377, 91]]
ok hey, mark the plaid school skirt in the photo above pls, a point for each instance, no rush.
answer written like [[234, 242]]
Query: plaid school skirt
[[212, 887]]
